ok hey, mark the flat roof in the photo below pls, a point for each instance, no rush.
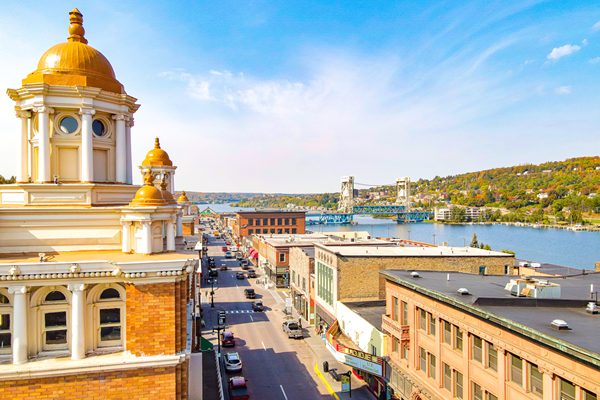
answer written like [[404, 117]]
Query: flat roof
[[370, 311], [309, 251], [553, 269], [487, 295], [400, 250], [308, 239], [271, 211], [109, 255]]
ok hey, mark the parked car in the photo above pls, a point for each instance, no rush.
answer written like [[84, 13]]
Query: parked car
[[239, 275], [249, 293], [243, 262], [228, 242], [238, 389], [213, 272], [223, 267], [257, 305], [245, 266], [292, 329], [251, 273], [227, 339], [239, 256], [228, 254], [224, 248], [233, 362]]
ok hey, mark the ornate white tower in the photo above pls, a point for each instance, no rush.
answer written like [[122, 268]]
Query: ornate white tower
[[347, 194], [403, 192]]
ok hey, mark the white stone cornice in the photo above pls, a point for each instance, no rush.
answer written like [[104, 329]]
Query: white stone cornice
[[120, 117], [22, 114], [44, 110], [18, 289], [77, 287], [87, 111]]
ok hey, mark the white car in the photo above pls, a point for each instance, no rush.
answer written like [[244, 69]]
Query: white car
[[233, 362]]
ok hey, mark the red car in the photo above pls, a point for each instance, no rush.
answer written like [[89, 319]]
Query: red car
[[224, 248], [227, 339], [228, 243], [238, 389]]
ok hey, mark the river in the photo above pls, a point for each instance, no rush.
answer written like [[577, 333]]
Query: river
[[562, 247]]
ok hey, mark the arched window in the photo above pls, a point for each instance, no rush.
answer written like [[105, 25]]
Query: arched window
[[110, 320], [5, 324], [106, 307], [53, 310]]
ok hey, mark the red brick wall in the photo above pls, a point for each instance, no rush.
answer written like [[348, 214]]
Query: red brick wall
[[187, 229], [151, 383], [151, 322]]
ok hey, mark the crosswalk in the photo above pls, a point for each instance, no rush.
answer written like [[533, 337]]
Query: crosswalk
[[243, 311]]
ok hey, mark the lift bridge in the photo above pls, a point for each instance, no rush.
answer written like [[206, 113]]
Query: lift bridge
[[347, 207]]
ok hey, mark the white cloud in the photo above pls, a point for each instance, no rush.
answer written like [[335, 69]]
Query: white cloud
[[596, 26], [528, 61], [584, 42], [565, 50], [595, 60], [563, 90]]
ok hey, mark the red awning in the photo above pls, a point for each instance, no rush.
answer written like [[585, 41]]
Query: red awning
[[253, 253]]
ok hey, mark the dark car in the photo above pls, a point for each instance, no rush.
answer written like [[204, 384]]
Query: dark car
[[251, 273], [257, 305], [239, 275], [249, 293], [223, 267], [227, 339], [213, 272]]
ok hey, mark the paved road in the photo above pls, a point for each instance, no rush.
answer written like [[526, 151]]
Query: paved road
[[276, 367]]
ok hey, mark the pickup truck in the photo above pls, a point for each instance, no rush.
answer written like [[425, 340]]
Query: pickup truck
[[292, 329]]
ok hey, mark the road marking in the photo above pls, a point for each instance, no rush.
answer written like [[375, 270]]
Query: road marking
[[264, 346], [281, 386], [286, 295], [237, 286], [276, 296], [251, 319], [329, 389]]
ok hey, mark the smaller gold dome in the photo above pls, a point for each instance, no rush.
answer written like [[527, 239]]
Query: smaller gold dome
[[183, 198], [157, 156], [148, 195], [167, 196]]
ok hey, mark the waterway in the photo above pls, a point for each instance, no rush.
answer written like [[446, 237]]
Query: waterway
[[562, 247]]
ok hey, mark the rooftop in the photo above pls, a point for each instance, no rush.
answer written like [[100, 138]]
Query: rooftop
[[410, 250], [271, 211], [489, 298], [370, 311], [309, 239], [546, 268], [109, 256]]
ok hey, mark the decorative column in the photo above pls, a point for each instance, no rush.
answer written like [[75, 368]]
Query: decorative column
[[121, 149], [43, 172], [146, 237], [22, 175], [547, 384], [502, 372], [77, 321], [126, 237], [19, 324], [170, 236], [179, 224], [87, 145], [128, 166]]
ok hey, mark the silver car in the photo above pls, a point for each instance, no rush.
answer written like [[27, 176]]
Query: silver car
[[233, 362]]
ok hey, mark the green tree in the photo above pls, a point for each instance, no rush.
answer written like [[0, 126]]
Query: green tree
[[474, 242]]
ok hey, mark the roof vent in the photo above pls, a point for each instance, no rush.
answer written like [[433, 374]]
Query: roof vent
[[559, 325], [591, 308], [463, 291], [415, 274]]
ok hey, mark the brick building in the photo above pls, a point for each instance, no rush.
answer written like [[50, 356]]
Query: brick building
[[490, 344], [263, 222]]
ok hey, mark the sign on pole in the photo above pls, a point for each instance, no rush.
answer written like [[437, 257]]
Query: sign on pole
[[288, 302], [345, 383]]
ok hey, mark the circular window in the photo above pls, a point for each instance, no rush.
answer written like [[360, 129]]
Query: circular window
[[98, 128], [69, 125]]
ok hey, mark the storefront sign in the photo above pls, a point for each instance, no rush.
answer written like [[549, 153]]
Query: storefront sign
[[351, 357]]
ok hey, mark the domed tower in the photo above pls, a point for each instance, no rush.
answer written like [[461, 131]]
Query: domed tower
[[76, 117], [161, 167]]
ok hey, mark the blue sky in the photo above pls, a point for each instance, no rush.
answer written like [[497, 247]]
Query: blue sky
[[289, 96]]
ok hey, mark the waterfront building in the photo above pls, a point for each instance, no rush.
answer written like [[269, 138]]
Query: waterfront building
[[463, 336], [95, 291], [263, 222]]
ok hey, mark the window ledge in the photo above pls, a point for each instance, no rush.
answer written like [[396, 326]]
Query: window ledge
[[43, 367]]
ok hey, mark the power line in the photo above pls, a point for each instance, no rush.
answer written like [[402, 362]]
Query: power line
[[367, 184]]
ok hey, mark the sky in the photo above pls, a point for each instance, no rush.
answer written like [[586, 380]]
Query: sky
[[289, 96]]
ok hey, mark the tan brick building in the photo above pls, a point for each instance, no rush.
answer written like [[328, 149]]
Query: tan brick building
[[269, 222], [489, 344]]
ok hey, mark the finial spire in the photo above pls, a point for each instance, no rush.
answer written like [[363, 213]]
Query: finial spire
[[156, 143], [76, 30], [148, 178], [163, 183]]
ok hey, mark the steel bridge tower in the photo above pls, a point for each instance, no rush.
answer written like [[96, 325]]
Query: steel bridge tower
[[403, 193], [346, 203]]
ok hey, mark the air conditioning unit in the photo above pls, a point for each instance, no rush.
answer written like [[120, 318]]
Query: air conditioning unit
[[415, 274], [463, 291]]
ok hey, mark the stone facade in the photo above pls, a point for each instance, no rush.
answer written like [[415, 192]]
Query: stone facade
[[302, 265]]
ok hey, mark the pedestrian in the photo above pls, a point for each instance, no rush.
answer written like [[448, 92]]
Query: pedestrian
[[300, 322]]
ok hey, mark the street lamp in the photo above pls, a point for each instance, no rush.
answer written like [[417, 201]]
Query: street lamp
[[408, 235], [434, 239], [388, 233], [464, 242]]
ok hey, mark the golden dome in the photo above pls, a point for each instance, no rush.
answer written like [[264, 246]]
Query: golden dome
[[148, 195], [75, 63], [183, 198], [167, 196], [157, 156]]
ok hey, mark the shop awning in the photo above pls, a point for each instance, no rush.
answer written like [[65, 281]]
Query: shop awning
[[253, 253]]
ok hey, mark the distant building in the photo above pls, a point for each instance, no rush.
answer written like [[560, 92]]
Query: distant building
[[265, 222]]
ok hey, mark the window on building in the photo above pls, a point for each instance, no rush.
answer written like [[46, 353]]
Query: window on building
[[588, 395], [287, 230], [491, 396], [373, 350], [404, 352], [404, 313], [250, 222], [567, 390], [265, 231], [280, 231], [448, 333], [395, 308], [536, 381], [272, 230], [303, 283], [422, 359], [293, 221], [287, 221], [477, 392], [110, 308], [477, 349], [54, 321], [492, 360], [265, 221], [325, 283], [279, 221], [431, 324], [272, 221], [294, 231], [432, 365], [516, 369], [281, 257], [396, 345], [458, 385], [293, 275], [458, 339], [447, 377], [5, 327], [423, 320], [250, 231], [257, 222]]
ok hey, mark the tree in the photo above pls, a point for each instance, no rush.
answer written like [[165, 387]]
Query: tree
[[474, 242]]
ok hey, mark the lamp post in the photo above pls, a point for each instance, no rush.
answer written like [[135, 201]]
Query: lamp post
[[388, 233], [434, 240], [464, 242], [408, 235]]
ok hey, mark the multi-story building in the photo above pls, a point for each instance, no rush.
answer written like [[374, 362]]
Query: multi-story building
[[95, 293], [463, 336], [264, 222]]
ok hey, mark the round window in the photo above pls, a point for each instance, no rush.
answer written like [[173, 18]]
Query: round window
[[98, 128], [68, 125]]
